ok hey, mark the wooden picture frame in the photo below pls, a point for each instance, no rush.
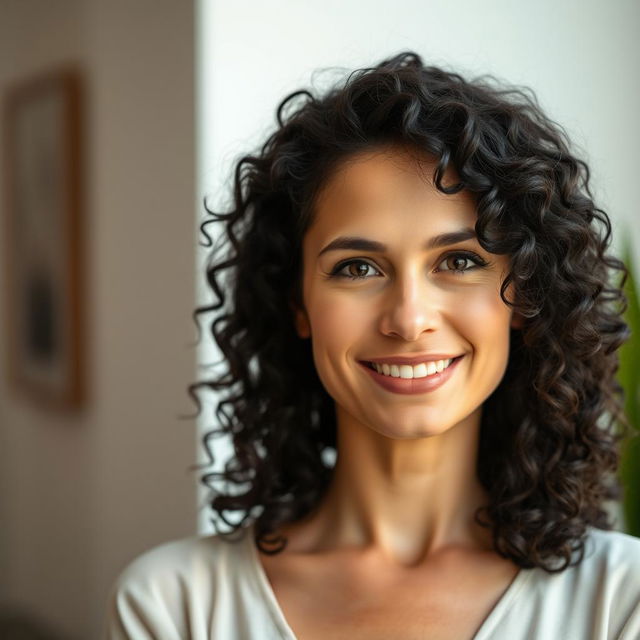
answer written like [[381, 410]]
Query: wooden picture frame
[[42, 119]]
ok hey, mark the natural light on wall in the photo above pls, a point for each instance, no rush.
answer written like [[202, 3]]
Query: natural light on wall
[[252, 54]]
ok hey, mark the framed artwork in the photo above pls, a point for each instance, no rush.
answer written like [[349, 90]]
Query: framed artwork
[[42, 237]]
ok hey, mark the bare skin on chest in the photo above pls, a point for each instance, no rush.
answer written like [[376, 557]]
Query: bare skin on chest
[[354, 595]]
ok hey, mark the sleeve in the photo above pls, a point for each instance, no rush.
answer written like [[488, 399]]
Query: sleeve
[[631, 629], [147, 601], [133, 615]]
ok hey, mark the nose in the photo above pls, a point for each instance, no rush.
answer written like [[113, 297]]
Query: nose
[[412, 307]]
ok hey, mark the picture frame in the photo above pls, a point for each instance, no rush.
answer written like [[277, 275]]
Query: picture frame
[[42, 121]]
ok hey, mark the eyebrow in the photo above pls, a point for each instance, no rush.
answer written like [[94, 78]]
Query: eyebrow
[[364, 244]]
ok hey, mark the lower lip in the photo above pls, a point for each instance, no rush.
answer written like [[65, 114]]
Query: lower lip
[[412, 385]]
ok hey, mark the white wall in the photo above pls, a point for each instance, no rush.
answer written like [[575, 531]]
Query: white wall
[[81, 496], [580, 56]]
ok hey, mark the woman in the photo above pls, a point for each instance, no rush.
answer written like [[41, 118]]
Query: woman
[[421, 345]]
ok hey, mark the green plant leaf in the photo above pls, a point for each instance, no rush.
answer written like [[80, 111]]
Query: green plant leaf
[[629, 378]]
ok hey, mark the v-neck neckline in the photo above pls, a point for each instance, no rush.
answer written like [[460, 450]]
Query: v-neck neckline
[[260, 576], [483, 633]]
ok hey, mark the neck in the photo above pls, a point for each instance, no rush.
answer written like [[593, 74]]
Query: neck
[[406, 499]]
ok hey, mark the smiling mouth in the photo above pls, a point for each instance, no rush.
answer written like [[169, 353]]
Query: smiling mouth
[[409, 385], [396, 370]]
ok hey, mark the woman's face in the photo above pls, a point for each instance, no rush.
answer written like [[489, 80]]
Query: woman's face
[[403, 288]]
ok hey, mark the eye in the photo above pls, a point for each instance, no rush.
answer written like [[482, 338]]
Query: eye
[[457, 260], [357, 273]]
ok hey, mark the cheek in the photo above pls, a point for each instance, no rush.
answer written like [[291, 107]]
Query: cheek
[[486, 325], [336, 319], [337, 325]]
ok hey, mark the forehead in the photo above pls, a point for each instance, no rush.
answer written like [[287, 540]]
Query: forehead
[[389, 189]]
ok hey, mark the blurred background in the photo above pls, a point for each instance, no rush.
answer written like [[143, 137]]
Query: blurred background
[[118, 118]]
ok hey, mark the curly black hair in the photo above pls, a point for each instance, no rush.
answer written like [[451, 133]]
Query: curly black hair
[[549, 433]]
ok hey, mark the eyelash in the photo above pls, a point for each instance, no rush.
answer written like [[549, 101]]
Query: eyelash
[[468, 255]]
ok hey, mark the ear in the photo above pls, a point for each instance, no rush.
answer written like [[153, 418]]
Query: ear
[[517, 320], [301, 321]]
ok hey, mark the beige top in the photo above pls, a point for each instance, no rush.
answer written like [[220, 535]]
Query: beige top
[[203, 588]]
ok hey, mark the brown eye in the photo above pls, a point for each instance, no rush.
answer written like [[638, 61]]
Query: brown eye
[[456, 263], [354, 269], [358, 269], [461, 262]]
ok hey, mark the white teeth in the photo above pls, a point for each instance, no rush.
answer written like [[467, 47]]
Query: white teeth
[[421, 370], [407, 371]]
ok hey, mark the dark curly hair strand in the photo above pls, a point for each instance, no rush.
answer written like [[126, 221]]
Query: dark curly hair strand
[[549, 433]]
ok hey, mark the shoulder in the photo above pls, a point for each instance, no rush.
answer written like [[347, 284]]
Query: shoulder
[[159, 588], [170, 560], [611, 566], [597, 597], [605, 585], [617, 558], [614, 553], [197, 562]]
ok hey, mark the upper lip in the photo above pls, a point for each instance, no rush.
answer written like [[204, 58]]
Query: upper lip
[[411, 360]]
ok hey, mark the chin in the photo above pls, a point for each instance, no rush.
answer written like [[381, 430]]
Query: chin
[[410, 433]]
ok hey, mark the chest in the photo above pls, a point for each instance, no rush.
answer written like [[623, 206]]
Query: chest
[[334, 602]]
